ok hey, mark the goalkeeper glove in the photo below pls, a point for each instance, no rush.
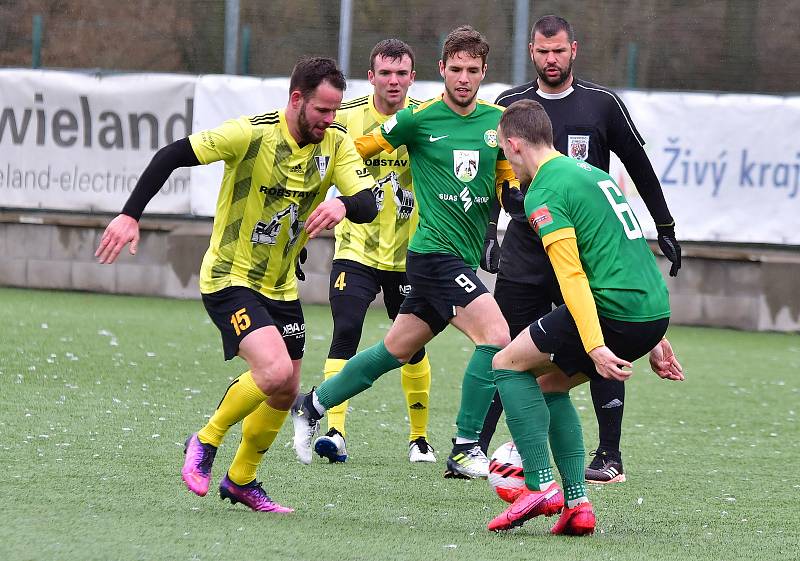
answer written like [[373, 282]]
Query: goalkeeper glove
[[490, 258], [669, 246], [301, 258]]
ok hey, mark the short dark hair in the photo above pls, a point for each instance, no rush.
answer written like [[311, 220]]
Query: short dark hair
[[550, 25], [465, 39], [393, 49], [528, 120], [311, 71]]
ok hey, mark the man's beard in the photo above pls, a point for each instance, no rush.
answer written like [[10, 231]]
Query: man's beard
[[458, 101], [305, 129], [562, 76]]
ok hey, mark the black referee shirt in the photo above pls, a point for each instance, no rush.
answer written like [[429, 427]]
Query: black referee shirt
[[589, 122]]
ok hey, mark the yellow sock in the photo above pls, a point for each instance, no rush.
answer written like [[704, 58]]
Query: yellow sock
[[336, 415], [240, 399], [416, 381], [259, 430]]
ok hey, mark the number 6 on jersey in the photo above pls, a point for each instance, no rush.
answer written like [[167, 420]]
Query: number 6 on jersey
[[621, 208]]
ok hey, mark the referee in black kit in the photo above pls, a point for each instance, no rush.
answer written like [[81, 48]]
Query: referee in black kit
[[589, 121]]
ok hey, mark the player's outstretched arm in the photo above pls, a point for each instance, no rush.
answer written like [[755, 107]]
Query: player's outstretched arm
[[626, 142], [119, 232], [644, 177], [124, 228], [609, 365], [368, 145], [664, 363]]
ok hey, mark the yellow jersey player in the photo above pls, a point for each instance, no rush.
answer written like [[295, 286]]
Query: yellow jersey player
[[371, 258], [278, 169]]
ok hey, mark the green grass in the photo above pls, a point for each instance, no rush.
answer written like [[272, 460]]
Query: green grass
[[98, 393]]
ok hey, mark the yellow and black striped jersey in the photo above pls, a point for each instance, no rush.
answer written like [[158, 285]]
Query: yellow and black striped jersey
[[381, 243], [269, 188]]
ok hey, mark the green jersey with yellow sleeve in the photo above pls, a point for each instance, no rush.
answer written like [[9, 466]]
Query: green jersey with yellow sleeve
[[569, 198]]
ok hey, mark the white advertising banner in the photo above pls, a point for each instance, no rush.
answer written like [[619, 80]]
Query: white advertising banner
[[729, 164], [218, 98], [71, 141], [221, 97]]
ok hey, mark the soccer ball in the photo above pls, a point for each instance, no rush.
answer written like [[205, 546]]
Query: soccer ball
[[505, 472]]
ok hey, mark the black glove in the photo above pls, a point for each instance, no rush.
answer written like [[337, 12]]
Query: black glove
[[669, 246], [301, 258], [513, 202], [490, 258], [404, 200]]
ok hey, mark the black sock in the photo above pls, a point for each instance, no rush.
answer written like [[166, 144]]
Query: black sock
[[608, 397], [490, 423], [308, 404]]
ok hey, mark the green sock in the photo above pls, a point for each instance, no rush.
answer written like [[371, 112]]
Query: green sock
[[477, 392], [358, 374], [566, 442], [528, 420]]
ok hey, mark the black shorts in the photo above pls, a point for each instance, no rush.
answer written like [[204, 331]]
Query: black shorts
[[351, 278], [522, 304], [237, 311], [439, 283], [557, 334]]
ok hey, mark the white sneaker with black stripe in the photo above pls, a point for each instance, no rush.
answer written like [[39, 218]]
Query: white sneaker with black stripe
[[420, 451]]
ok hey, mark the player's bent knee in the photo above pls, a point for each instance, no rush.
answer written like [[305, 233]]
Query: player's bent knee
[[499, 338], [502, 361], [497, 333], [554, 380], [277, 377], [402, 357], [400, 349], [346, 336]]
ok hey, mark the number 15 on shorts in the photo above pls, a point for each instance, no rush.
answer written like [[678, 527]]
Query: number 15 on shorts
[[240, 321]]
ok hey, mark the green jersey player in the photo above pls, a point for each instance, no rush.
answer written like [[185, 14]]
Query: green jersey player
[[616, 310], [456, 166]]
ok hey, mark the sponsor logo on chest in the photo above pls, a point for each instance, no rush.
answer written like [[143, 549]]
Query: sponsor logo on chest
[[464, 197]]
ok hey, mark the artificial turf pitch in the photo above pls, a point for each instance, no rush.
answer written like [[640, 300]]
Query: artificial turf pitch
[[99, 392]]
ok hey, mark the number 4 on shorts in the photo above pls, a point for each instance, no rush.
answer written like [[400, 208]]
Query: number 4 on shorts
[[339, 282]]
